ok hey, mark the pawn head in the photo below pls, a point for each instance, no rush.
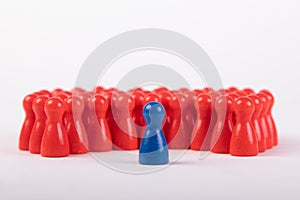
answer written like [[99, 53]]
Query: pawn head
[[138, 98], [257, 104], [153, 113], [74, 104], [165, 97], [98, 103], [27, 101], [151, 97], [248, 91], [204, 101], [39, 104], [55, 106], [269, 96], [224, 103], [232, 89], [244, 105], [265, 103]]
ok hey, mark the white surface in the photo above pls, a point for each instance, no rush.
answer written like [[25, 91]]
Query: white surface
[[253, 43], [272, 175]]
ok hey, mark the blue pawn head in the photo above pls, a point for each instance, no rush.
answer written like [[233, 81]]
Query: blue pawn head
[[153, 113], [153, 148]]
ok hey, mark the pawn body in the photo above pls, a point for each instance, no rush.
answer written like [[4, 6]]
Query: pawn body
[[243, 140], [153, 148]]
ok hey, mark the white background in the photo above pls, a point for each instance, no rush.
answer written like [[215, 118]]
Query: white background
[[252, 43]]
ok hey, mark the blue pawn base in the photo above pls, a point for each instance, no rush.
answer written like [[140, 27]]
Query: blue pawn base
[[154, 158]]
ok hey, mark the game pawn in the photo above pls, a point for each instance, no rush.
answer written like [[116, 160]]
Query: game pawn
[[165, 97], [223, 128], [100, 138], [243, 140], [55, 141], [124, 133], [269, 116], [178, 135], [153, 148], [28, 122], [39, 124], [255, 121], [263, 120], [74, 126], [203, 105], [137, 116]]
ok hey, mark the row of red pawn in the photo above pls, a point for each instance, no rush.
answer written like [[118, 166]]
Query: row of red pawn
[[231, 121]]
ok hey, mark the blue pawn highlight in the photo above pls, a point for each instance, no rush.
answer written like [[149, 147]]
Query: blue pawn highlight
[[153, 148]]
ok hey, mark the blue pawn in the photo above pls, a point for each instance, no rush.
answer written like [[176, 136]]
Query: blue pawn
[[153, 148]]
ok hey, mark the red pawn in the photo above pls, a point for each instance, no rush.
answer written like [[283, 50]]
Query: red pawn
[[111, 96], [190, 112], [165, 97], [223, 128], [204, 114], [269, 117], [77, 136], [100, 139], [243, 140], [55, 141], [255, 121], [137, 113], [206, 146], [28, 122], [39, 124], [124, 133], [263, 120], [234, 97], [178, 136], [63, 96]]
